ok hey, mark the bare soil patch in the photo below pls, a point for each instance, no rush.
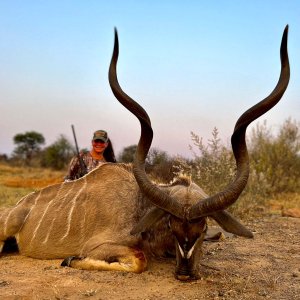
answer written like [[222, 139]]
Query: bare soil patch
[[266, 267]]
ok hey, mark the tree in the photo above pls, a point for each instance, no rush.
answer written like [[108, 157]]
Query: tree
[[127, 155], [28, 144], [3, 157], [160, 165], [58, 154]]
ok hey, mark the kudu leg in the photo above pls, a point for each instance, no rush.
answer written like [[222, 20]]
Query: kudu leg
[[109, 257], [11, 222]]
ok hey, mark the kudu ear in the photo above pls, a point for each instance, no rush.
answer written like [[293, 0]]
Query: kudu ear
[[147, 221], [230, 224]]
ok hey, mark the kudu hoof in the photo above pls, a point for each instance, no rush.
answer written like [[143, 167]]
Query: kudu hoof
[[67, 261]]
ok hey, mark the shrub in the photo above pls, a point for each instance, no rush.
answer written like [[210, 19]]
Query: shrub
[[213, 167], [275, 159], [57, 155]]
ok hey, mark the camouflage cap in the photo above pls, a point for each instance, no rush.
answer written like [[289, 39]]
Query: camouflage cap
[[100, 135]]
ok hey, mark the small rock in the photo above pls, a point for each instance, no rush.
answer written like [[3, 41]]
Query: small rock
[[263, 293], [3, 283], [292, 212], [50, 268]]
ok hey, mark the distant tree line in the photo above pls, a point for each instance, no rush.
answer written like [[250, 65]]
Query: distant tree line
[[274, 159], [29, 151]]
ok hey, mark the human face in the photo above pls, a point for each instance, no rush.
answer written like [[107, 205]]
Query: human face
[[99, 146]]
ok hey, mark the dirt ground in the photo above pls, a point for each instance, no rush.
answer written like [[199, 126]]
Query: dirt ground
[[266, 267]]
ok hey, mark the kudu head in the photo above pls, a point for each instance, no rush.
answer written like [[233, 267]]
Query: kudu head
[[187, 215]]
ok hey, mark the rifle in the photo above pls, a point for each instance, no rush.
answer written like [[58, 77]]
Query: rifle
[[83, 168]]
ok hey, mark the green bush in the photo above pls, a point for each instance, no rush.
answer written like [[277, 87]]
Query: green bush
[[58, 155], [213, 166], [274, 165], [275, 159]]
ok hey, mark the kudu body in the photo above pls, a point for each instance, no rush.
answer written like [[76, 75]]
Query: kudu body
[[111, 217]]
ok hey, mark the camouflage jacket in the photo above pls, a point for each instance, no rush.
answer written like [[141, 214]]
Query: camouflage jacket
[[74, 170]]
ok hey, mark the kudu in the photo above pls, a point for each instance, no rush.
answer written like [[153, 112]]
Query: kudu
[[110, 218]]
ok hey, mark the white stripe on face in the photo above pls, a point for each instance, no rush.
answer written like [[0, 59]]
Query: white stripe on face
[[190, 252], [180, 250]]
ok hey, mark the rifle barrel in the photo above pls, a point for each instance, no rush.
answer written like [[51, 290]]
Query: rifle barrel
[[83, 168], [74, 135]]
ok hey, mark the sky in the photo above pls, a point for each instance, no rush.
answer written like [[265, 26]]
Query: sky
[[193, 65]]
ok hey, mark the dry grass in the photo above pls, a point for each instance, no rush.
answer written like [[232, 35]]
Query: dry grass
[[16, 182], [249, 206], [35, 183], [287, 200]]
